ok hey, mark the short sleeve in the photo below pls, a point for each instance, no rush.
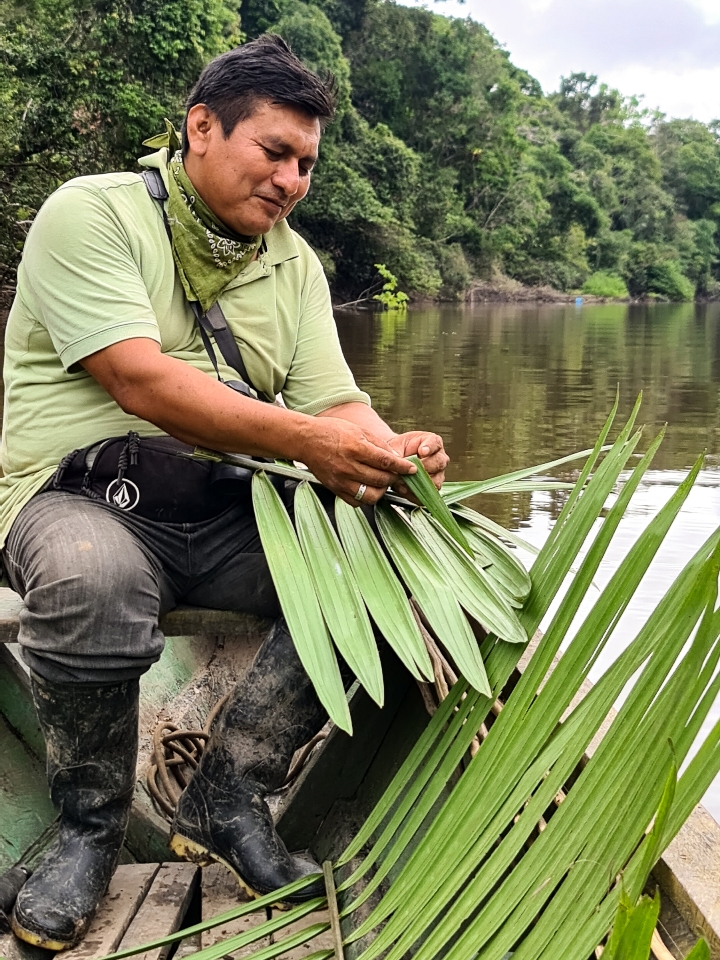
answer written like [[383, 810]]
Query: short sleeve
[[319, 377], [86, 286]]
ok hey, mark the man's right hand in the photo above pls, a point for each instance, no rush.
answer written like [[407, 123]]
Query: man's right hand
[[343, 456]]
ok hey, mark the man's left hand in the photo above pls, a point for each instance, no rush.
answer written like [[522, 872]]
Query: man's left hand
[[429, 447]]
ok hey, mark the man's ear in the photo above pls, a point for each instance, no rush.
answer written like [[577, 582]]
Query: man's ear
[[199, 126]]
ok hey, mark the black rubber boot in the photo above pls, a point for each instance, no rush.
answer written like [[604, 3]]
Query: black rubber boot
[[91, 737], [223, 815]]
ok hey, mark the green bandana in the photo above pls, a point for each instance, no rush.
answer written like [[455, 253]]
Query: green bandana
[[207, 254]]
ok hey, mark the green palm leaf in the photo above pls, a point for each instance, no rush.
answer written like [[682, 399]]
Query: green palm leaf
[[338, 592], [433, 596], [493, 529], [468, 581], [451, 855], [427, 493], [503, 565], [381, 590], [499, 924], [452, 492], [299, 603]]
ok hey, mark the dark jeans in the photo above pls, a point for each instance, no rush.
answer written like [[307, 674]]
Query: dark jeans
[[96, 580]]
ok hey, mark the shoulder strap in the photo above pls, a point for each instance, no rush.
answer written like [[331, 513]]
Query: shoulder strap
[[155, 184], [213, 322]]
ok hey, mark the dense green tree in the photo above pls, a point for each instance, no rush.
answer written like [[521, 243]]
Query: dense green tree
[[446, 162], [82, 84]]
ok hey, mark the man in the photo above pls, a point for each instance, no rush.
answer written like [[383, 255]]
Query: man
[[102, 342]]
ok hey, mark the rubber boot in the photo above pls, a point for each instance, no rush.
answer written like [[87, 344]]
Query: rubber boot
[[223, 815], [91, 737]]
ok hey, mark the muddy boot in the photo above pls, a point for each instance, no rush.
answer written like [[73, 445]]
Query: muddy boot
[[91, 737], [223, 815]]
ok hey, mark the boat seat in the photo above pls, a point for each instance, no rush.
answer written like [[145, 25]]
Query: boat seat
[[180, 622]]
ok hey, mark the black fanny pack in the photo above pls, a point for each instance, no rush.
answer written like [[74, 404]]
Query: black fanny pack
[[152, 477]]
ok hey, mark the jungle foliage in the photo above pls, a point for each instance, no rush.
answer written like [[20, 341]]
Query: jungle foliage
[[446, 162]]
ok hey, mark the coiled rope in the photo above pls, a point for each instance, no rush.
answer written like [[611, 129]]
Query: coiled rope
[[177, 754]]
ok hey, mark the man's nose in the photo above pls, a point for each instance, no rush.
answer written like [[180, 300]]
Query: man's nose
[[287, 177]]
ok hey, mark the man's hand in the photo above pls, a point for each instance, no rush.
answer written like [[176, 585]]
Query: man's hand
[[344, 455], [429, 447]]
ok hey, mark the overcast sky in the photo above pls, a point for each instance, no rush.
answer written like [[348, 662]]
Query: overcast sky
[[667, 50]]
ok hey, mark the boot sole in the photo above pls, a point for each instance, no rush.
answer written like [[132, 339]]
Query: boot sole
[[194, 852], [36, 940]]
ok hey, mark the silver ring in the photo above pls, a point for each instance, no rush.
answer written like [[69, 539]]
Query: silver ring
[[361, 492]]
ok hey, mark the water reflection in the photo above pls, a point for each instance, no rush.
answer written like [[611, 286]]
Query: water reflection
[[509, 386]]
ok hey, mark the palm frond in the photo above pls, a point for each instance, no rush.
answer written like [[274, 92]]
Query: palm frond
[[382, 591], [338, 592], [298, 600], [435, 598], [522, 847]]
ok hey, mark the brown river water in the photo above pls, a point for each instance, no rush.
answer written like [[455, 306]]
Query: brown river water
[[509, 386]]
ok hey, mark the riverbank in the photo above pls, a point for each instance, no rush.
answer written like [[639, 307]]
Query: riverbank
[[506, 290], [503, 290]]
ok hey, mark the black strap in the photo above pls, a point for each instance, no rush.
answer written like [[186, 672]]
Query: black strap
[[213, 322], [155, 184]]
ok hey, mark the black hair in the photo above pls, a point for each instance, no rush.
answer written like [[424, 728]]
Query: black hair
[[233, 84]]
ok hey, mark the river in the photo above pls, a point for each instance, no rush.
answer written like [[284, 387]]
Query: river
[[508, 386]]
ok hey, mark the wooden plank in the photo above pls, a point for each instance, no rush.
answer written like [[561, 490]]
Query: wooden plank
[[323, 941], [185, 621], [180, 622], [25, 807], [221, 892], [126, 892], [13, 949], [163, 909], [10, 607]]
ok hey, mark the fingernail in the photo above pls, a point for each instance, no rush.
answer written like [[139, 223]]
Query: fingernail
[[424, 451]]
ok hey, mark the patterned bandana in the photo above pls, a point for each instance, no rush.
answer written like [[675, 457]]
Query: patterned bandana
[[207, 254]]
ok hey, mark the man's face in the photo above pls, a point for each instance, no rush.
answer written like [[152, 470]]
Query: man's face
[[255, 177]]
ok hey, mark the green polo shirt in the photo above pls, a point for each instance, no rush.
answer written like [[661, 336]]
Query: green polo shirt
[[97, 269]]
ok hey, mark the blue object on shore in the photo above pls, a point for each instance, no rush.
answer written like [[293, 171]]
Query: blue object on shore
[[578, 301]]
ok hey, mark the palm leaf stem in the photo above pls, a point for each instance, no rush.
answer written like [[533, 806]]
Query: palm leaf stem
[[440, 837]]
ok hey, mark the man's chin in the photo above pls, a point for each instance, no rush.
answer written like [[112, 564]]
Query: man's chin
[[253, 228], [258, 224], [258, 221]]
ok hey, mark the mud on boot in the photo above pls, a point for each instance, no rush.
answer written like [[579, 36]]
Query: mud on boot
[[91, 737], [223, 815]]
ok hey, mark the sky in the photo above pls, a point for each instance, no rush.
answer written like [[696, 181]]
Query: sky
[[667, 51]]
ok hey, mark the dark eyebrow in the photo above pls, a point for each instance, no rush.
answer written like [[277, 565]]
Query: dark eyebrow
[[277, 143]]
